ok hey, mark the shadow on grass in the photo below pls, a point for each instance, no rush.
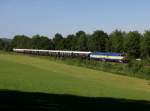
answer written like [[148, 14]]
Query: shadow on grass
[[25, 101]]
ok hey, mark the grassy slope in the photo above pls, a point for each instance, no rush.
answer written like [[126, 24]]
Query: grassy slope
[[26, 73]]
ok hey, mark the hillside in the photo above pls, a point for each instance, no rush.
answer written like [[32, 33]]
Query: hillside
[[25, 73]]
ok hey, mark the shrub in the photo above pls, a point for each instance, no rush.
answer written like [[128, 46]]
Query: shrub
[[135, 66]]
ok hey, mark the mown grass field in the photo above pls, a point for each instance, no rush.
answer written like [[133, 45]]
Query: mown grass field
[[33, 74]]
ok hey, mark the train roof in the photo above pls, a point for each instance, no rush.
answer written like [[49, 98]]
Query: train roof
[[107, 53]]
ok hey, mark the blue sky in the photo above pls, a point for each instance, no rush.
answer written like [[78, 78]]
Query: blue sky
[[46, 17]]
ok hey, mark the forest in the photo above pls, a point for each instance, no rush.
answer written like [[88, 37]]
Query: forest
[[134, 43]]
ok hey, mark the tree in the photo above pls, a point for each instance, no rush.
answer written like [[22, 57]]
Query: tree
[[116, 40], [1, 44], [21, 41], [58, 41], [97, 41], [41, 42], [5, 44], [133, 44], [81, 41], [109, 45], [68, 41], [145, 45]]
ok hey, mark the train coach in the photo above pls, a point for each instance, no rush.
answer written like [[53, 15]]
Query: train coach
[[57, 53]]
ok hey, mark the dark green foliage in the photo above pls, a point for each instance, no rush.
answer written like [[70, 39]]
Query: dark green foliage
[[108, 45], [81, 41], [97, 42], [116, 41], [8, 46], [68, 42], [5, 44], [58, 41], [135, 66], [1, 44], [41, 42], [21, 41], [145, 45], [132, 44]]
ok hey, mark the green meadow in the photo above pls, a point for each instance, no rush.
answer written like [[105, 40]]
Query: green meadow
[[33, 74]]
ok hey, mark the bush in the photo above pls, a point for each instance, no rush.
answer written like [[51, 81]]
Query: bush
[[135, 66]]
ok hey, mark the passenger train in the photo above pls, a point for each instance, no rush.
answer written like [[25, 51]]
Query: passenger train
[[101, 56]]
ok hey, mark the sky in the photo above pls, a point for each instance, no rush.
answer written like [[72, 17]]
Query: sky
[[47, 17]]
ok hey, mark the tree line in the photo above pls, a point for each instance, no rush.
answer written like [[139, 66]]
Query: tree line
[[135, 44]]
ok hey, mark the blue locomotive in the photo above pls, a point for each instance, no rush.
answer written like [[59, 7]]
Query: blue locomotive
[[107, 56]]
